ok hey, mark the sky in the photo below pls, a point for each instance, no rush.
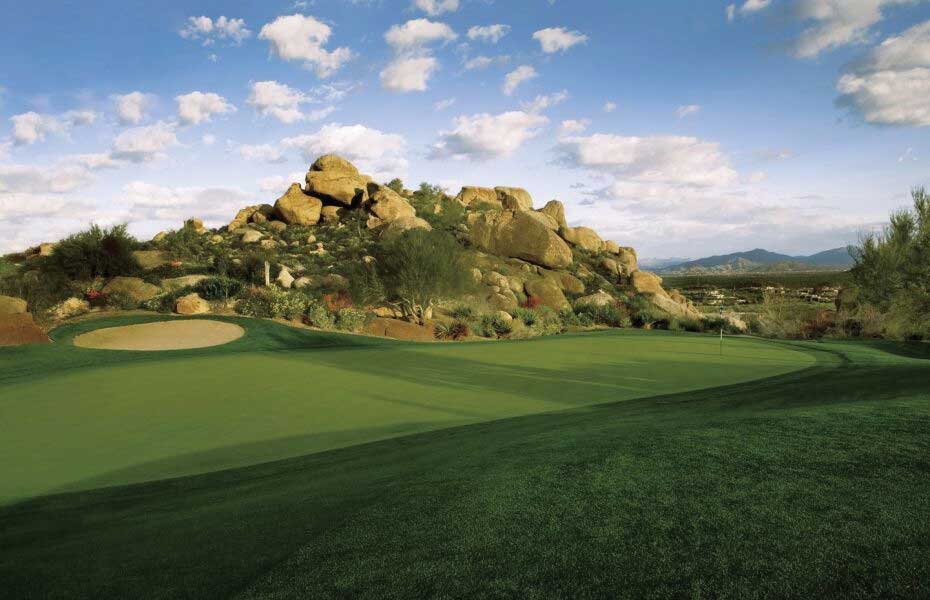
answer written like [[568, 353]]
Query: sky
[[680, 128]]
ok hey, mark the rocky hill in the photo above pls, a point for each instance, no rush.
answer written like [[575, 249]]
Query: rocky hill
[[314, 237]]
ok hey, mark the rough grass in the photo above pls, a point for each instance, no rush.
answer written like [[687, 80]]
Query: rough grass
[[809, 483]]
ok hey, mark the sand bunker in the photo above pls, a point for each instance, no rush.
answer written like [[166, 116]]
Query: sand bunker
[[164, 335]]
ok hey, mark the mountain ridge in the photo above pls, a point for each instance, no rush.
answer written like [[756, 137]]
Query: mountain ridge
[[761, 260]]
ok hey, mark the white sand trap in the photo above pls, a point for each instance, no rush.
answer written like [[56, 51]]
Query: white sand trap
[[163, 335]]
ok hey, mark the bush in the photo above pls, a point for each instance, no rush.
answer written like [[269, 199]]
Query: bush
[[455, 330], [165, 303], [218, 288], [94, 253], [121, 301], [643, 313], [352, 319], [462, 312], [318, 316], [271, 303], [493, 326], [612, 315], [528, 316]]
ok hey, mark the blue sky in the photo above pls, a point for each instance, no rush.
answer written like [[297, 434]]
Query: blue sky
[[680, 128]]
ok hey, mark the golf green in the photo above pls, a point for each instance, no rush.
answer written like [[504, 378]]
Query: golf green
[[73, 418]]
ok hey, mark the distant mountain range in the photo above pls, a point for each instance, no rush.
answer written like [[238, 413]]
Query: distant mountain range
[[759, 261]]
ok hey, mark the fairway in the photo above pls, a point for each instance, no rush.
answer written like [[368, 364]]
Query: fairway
[[624, 464], [121, 417]]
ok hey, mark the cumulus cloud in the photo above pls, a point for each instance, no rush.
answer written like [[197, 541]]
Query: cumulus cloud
[[94, 162], [32, 127], [687, 110], [488, 33], [29, 179], [131, 108], [891, 86], [486, 136], [444, 104], [299, 37], [667, 160], [571, 126], [483, 62], [519, 75], [279, 183], [417, 33], [543, 102], [273, 99], [261, 153], [408, 73], [145, 144], [436, 7], [199, 107], [558, 39], [377, 153], [209, 31], [152, 202]]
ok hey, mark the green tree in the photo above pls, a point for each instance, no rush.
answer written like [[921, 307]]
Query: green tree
[[418, 268], [96, 252], [397, 185]]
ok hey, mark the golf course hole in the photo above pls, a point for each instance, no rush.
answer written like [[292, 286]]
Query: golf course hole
[[163, 335]]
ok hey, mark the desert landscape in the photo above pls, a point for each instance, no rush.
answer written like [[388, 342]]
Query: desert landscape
[[340, 384]]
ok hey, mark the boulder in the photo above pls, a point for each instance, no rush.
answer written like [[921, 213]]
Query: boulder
[[611, 246], [546, 221], [600, 298], [191, 304], [46, 249], [151, 259], [517, 234], [556, 210], [277, 226], [297, 208], [135, 288], [258, 218], [387, 205], [335, 179], [285, 279], [502, 300], [302, 282], [492, 278], [512, 198], [19, 329], [251, 214], [332, 214], [611, 266], [397, 227], [626, 257], [217, 239], [196, 225], [268, 244], [12, 306], [472, 195], [504, 316], [548, 292], [644, 282], [570, 283], [160, 236], [251, 236], [176, 283], [582, 237], [71, 307]]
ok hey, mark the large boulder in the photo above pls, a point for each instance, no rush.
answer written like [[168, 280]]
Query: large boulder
[[583, 237], [398, 226], [548, 292], [251, 236], [547, 221], [518, 234], [650, 287], [556, 210], [478, 195], [512, 198], [297, 208], [178, 283], [600, 298], [251, 214], [388, 205], [644, 282], [627, 259], [285, 279], [196, 225], [191, 304], [12, 306], [135, 288], [332, 214], [335, 179]]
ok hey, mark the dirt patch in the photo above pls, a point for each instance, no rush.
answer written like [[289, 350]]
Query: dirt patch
[[400, 330], [163, 335], [16, 330]]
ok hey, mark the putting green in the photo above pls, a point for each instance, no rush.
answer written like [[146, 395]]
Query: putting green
[[73, 418]]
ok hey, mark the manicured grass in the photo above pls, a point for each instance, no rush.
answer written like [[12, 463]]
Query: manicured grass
[[809, 483], [120, 417]]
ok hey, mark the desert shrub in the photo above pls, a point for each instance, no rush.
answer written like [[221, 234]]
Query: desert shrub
[[271, 303], [165, 303], [531, 302], [611, 315], [643, 313], [494, 325], [365, 287], [317, 315], [818, 325], [121, 301], [352, 319], [528, 316], [41, 291], [396, 184], [696, 325], [185, 244], [570, 318], [96, 252], [455, 330], [218, 288], [337, 301], [462, 312]]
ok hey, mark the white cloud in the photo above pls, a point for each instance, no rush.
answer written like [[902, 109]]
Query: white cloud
[[444, 104], [277, 184], [687, 110], [516, 77], [145, 144], [542, 102], [610, 107], [417, 33], [216, 206], [558, 39], [731, 12], [94, 162], [273, 99], [28, 179], [408, 74], [208, 139], [379, 154], [199, 107], [488, 33], [485, 136], [891, 86], [209, 30], [131, 107], [483, 62], [666, 160], [571, 126], [436, 7], [32, 127], [261, 153], [299, 37]]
